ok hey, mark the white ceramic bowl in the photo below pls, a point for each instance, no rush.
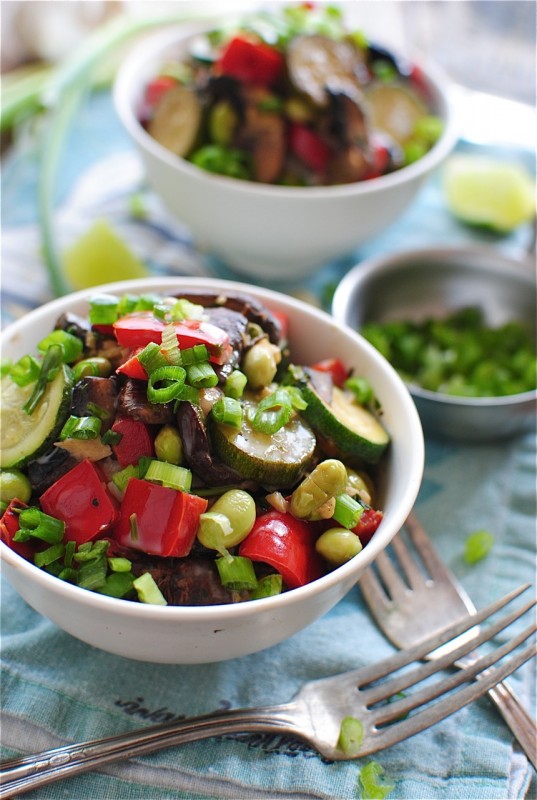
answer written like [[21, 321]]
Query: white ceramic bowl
[[434, 282], [181, 635], [264, 231]]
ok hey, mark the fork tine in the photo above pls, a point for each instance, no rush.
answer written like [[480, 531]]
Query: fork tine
[[371, 588], [394, 586], [408, 563], [405, 657], [432, 561], [388, 736], [400, 707]]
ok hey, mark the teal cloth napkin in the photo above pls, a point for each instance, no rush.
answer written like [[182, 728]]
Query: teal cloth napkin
[[56, 689]]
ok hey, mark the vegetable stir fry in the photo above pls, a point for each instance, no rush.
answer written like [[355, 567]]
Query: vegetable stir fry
[[168, 450], [291, 98]]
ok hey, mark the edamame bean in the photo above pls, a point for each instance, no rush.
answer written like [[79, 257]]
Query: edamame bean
[[360, 484], [14, 485], [238, 507], [169, 445], [328, 479], [260, 363], [338, 545]]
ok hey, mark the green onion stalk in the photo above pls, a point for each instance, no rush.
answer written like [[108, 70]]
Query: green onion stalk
[[59, 93]]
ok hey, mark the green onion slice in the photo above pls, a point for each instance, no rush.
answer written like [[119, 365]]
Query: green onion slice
[[172, 378], [170, 346], [347, 511], [38, 525], [72, 346], [478, 545], [351, 736], [151, 358], [237, 573], [269, 586], [201, 375], [169, 475], [103, 309], [374, 783], [276, 409], [148, 591], [24, 371], [50, 555], [81, 428], [228, 411]]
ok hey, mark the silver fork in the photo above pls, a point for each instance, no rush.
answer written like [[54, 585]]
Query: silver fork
[[316, 712], [410, 602]]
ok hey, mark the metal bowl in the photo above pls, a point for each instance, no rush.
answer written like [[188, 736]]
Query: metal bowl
[[434, 282]]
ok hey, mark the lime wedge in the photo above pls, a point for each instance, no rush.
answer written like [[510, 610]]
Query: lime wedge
[[481, 190], [101, 256]]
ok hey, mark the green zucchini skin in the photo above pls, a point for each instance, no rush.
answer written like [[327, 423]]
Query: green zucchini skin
[[346, 429], [25, 437], [278, 460]]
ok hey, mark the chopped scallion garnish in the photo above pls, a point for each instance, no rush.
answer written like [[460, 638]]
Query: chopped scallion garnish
[[228, 411], [235, 384], [103, 309], [148, 591], [201, 375], [269, 586], [237, 573], [347, 511], [169, 475], [373, 782], [72, 346], [477, 546], [172, 380], [81, 428], [50, 555], [151, 358], [38, 525], [24, 371], [351, 736], [121, 478]]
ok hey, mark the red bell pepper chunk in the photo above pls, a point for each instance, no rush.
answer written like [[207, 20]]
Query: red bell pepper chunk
[[132, 367], [135, 443], [158, 87], [158, 520], [287, 544], [9, 525], [308, 146], [80, 498], [251, 61], [368, 524], [335, 367], [141, 328]]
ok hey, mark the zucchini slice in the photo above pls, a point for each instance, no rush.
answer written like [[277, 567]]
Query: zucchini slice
[[278, 460], [26, 436], [348, 430]]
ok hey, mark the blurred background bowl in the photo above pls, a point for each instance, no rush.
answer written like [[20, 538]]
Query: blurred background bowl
[[270, 232], [434, 282], [201, 634]]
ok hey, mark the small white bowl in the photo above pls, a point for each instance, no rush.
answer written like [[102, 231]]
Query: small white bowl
[[434, 282], [189, 635], [264, 231]]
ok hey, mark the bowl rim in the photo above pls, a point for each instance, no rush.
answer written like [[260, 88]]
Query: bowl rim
[[149, 48], [231, 611], [484, 257]]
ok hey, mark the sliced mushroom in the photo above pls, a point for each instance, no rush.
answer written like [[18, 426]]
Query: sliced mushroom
[[132, 402], [102, 392], [197, 449], [317, 62], [262, 134], [45, 471]]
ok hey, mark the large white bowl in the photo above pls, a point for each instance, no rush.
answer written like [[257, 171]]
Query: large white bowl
[[265, 231], [182, 635]]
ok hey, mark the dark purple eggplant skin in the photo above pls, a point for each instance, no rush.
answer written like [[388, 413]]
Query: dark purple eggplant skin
[[72, 323], [197, 449], [45, 471], [244, 304], [132, 402], [103, 392], [188, 582]]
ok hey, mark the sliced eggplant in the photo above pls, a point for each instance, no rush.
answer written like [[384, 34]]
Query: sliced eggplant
[[316, 63], [177, 120], [102, 392], [49, 468], [197, 449]]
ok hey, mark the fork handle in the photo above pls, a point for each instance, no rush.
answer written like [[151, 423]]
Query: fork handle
[[20, 775], [517, 718]]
